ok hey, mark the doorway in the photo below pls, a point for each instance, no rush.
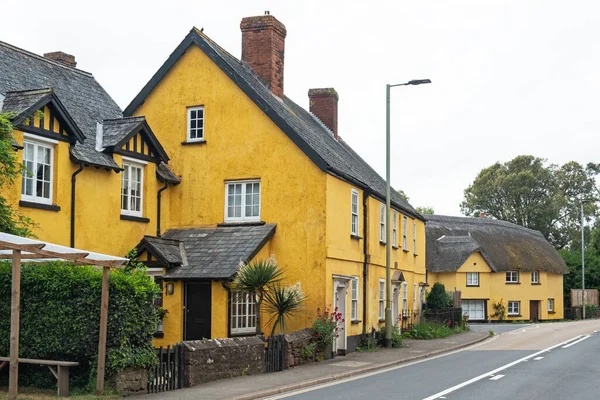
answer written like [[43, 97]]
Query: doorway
[[534, 310], [197, 308], [395, 309], [340, 292]]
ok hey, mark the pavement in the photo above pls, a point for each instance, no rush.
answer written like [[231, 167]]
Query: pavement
[[318, 373]]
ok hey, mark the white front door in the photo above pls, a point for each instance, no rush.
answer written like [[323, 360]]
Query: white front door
[[340, 292], [395, 309]]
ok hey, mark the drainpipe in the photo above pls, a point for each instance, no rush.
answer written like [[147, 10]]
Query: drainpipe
[[73, 181], [158, 208], [365, 258], [225, 284]]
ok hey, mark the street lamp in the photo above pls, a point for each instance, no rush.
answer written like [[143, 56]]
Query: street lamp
[[583, 260], [388, 283]]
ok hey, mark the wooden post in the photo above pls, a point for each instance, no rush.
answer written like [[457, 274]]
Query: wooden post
[[15, 308], [102, 340], [63, 381]]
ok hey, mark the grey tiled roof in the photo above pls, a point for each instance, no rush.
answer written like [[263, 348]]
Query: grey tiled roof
[[215, 253], [115, 130], [167, 249], [82, 96], [164, 174], [504, 245], [21, 101], [305, 130]]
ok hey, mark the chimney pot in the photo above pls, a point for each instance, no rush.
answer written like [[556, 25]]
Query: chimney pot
[[63, 58], [263, 48], [323, 103]]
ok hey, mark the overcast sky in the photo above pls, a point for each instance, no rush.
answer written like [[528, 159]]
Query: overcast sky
[[509, 77]]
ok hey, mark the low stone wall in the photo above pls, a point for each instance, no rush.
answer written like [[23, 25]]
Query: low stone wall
[[130, 381], [209, 360], [294, 342]]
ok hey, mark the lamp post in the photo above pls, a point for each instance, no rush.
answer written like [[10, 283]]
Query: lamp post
[[388, 283], [582, 261]]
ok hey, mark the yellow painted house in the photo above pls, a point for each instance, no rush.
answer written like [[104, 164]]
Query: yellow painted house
[[262, 176], [494, 262]]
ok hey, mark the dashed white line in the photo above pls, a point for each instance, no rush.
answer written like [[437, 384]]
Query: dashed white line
[[538, 358], [575, 342], [494, 378]]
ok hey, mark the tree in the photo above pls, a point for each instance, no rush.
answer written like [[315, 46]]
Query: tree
[[438, 299], [282, 303], [528, 192], [425, 210], [10, 169]]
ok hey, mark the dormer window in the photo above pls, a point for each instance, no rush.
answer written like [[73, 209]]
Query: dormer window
[[38, 162], [195, 124]]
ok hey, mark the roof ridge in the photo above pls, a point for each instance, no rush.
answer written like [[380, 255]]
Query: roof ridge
[[30, 54], [485, 220], [124, 119], [320, 122], [32, 91]]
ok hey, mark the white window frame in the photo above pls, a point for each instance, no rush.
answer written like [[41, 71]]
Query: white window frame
[[381, 299], [395, 228], [510, 275], [415, 238], [129, 164], [248, 317], [512, 311], [404, 233], [474, 279], [37, 143], [382, 209], [189, 124], [414, 297], [405, 299], [354, 298], [535, 276], [243, 217], [354, 212], [550, 305]]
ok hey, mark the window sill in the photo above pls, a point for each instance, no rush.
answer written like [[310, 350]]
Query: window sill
[[159, 334], [535, 283], [41, 206], [404, 250], [472, 285], [242, 334], [514, 315], [355, 321], [551, 312], [415, 254], [513, 283], [355, 237], [381, 320], [134, 219], [194, 143], [381, 242], [241, 223]]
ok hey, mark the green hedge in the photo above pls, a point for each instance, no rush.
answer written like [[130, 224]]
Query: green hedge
[[60, 317]]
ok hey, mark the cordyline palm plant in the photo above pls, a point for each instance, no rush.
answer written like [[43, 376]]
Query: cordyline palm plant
[[254, 278], [282, 303]]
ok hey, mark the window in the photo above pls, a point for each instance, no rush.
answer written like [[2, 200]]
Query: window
[[382, 222], [354, 309], [242, 201], [404, 233], [414, 297], [472, 278], [415, 238], [38, 160], [354, 213], [243, 315], [381, 299], [512, 276], [474, 309], [535, 277], [404, 299], [514, 308], [550, 305], [395, 229], [195, 130], [131, 189]]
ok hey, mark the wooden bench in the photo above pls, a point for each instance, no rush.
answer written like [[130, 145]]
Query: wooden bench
[[61, 374]]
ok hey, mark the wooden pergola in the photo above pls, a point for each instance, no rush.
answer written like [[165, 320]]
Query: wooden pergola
[[17, 248]]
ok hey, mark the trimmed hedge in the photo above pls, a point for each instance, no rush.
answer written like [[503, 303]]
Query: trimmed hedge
[[60, 320]]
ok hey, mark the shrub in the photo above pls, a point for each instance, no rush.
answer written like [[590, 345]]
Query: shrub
[[499, 310], [438, 298], [308, 351], [590, 311], [430, 330], [60, 319], [368, 343], [327, 326], [396, 337]]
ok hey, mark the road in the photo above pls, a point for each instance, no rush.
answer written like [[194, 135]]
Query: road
[[538, 361]]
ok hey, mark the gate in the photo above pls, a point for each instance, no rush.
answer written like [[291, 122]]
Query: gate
[[275, 354], [169, 373]]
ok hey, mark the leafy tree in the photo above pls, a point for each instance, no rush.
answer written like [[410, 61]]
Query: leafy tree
[[438, 299], [528, 192], [425, 210], [403, 195], [10, 169]]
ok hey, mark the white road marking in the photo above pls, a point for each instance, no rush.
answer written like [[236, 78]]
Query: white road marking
[[574, 343], [483, 376], [495, 378], [381, 371], [538, 358]]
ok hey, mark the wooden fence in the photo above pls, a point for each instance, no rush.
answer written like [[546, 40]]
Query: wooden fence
[[591, 297], [275, 354], [454, 315], [169, 373]]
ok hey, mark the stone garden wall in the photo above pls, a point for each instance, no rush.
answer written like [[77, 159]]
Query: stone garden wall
[[294, 342]]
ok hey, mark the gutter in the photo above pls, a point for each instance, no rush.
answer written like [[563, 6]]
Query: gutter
[[158, 201], [365, 259], [73, 182]]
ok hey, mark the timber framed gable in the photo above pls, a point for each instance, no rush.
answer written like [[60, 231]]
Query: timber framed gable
[[132, 137]]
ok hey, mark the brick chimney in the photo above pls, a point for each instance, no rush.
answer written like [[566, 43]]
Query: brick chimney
[[324, 105], [263, 47], [63, 58]]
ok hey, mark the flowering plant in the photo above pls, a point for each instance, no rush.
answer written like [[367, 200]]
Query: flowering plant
[[327, 326]]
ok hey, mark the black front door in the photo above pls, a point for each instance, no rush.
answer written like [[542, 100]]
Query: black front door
[[197, 310]]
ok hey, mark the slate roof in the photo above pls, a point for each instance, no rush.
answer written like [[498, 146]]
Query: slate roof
[[164, 174], [82, 96], [115, 130], [214, 253], [22, 101], [504, 245], [167, 250], [303, 128]]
